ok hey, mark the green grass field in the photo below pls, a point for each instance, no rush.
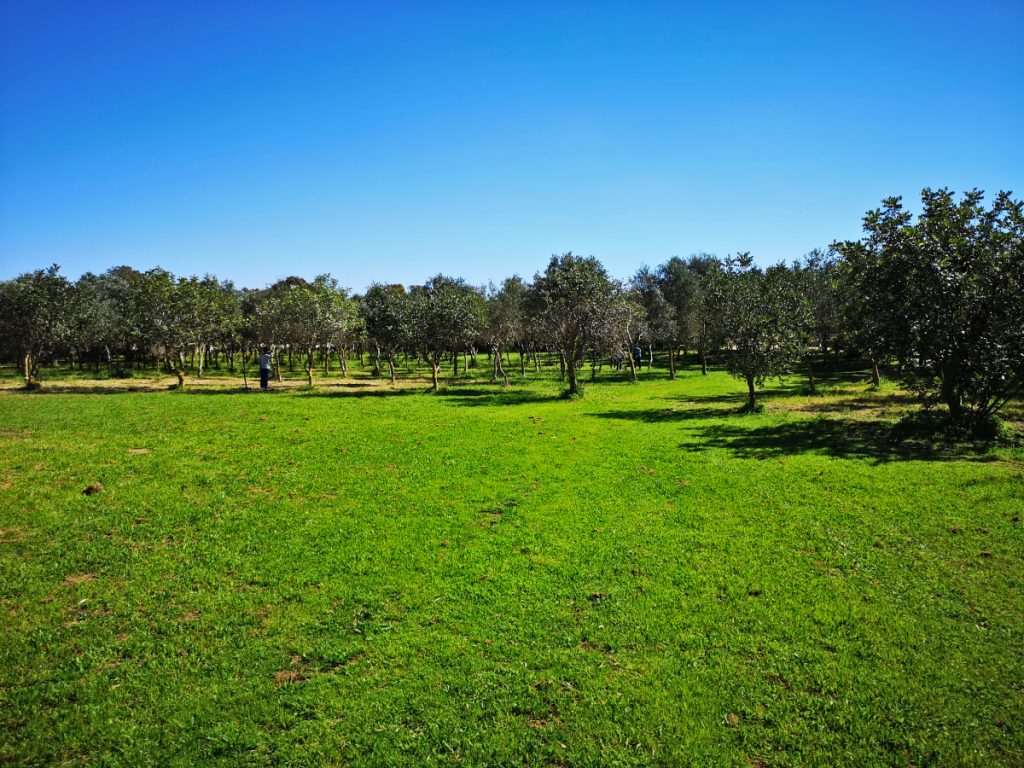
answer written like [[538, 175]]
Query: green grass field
[[361, 575]]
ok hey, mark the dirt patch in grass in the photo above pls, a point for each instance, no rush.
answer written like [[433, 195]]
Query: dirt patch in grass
[[288, 676], [11, 535], [866, 405], [78, 578]]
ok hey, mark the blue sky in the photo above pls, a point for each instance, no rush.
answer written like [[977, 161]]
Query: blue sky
[[390, 141]]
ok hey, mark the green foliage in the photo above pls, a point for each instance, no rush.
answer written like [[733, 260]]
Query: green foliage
[[761, 314], [446, 315], [574, 295], [944, 295], [35, 317]]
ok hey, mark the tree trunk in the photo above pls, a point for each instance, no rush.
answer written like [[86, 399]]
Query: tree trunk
[[562, 365], [26, 363], [632, 367], [569, 368], [391, 367], [751, 394], [950, 395], [434, 366], [309, 367], [202, 360], [876, 380], [703, 362], [810, 376], [501, 369], [455, 364], [672, 361], [277, 366], [181, 378]]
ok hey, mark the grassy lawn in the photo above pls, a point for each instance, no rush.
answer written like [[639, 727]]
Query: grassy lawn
[[362, 575]]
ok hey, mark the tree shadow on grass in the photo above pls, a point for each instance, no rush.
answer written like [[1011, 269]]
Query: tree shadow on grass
[[856, 402], [362, 390], [842, 438], [460, 396], [663, 415], [99, 389], [471, 398], [736, 398]]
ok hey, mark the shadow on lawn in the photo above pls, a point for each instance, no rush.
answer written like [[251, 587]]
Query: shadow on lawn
[[99, 389], [748, 437], [662, 415], [359, 390], [842, 438], [471, 398], [461, 396]]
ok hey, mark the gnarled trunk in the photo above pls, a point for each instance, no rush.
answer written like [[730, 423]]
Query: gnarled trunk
[[569, 368], [501, 369]]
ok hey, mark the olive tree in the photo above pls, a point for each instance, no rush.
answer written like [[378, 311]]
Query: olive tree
[[312, 316], [446, 314], [575, 294], [659, 325], [387, 313], [817, 278], [35, 316], [760, 321], [506, 323], [945, 295]]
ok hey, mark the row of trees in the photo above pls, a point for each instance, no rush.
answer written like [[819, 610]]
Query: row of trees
[[941, 297]]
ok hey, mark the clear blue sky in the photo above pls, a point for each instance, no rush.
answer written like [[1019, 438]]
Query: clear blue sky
[[391, 141]]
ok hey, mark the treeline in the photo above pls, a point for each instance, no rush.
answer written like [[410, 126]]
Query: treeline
[[941, 298]]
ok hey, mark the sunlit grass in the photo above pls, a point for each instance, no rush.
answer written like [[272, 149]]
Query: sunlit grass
[[370, 575]]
